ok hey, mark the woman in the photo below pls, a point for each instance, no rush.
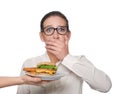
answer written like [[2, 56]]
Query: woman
[[55, 34]]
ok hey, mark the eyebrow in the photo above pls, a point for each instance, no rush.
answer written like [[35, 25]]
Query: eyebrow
[[54, 27], [47, 26]]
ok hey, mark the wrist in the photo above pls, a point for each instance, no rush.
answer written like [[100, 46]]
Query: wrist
[[64, 57], [21, 80]]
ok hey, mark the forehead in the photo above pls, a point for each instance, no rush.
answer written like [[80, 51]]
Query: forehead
[[54, 21]]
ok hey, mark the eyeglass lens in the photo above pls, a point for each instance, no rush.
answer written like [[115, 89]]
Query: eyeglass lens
[[60, 30]]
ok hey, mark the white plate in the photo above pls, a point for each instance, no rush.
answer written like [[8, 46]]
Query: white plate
[[56, 76]]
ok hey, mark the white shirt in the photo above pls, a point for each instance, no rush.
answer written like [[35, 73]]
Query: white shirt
[[76, 69]]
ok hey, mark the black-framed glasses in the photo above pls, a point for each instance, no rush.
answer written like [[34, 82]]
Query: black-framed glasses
[[62, 30]]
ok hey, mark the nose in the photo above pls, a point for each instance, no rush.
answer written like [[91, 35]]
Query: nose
[[55, 35]]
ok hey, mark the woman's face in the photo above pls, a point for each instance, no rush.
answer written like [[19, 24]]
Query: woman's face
[[54, 22]]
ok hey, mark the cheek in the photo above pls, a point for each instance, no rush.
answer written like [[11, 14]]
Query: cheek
[[47, 38], [62, 38]]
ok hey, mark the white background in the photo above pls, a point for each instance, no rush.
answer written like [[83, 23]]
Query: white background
[[95, 27]]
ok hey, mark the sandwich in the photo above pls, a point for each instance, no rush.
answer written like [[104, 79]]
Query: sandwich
[[45, 68]]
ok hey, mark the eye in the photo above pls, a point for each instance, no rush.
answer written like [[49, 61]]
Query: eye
[[61, 29], [49, 30]]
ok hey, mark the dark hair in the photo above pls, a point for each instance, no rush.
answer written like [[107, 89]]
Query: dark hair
[[53, 13]]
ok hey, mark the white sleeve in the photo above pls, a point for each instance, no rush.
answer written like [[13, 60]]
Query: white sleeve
[[82, 67], [23, 89]]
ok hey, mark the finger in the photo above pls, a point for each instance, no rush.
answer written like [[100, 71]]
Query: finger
[[52, 51], [53, 47], [36, 80], [57, 41], [56, 44]]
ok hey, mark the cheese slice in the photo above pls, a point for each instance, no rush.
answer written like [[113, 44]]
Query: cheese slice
[[49, 71]]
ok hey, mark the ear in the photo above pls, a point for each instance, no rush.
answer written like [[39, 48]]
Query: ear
[[41, 36]]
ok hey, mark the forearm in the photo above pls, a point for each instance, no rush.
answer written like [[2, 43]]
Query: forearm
[[9, 81], [97, 79]]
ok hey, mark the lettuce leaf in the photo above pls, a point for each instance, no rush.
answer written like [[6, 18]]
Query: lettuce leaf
[[47, 67]]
